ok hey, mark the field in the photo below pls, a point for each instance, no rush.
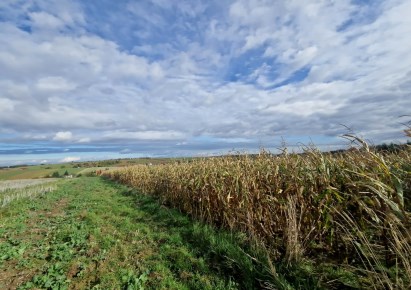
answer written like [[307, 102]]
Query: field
[[74, 168], [37, 171], [13, 190], [291, 221], [22, 183], [325, 221]]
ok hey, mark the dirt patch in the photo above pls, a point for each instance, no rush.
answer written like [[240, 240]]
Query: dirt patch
[[58, 209], [11, 278], [86, 281], [94, 249]]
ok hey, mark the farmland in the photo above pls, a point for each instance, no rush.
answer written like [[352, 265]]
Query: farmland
[[327, 221], [292, 221], [22, 183], [74, 168], [26, 188], [35, 171]]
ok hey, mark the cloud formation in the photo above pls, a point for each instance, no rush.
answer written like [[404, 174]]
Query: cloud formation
[[70, 159], [63, 136], [171, 76]]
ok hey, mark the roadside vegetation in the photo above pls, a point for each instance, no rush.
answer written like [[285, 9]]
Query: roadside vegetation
[[312, 220]]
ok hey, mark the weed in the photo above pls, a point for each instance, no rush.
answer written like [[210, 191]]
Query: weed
[[132, 282], [53, 277]]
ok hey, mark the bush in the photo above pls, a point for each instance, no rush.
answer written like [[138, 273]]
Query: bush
[[55, 174]]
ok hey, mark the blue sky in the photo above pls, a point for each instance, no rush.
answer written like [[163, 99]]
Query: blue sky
[[180, 78]]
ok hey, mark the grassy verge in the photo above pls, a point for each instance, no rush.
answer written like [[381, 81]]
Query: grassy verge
[[94, 234]]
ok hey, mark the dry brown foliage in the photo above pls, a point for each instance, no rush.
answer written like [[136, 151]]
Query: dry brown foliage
[[350, 208]]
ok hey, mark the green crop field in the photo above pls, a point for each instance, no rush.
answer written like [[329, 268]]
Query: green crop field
[[37, 171]]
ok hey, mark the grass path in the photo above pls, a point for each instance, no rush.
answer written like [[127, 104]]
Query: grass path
[[95, 234]]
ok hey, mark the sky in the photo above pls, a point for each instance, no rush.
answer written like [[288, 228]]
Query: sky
[[83, 80]]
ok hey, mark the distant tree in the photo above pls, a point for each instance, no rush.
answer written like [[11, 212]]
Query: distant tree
[[66, 173], [55, 174]]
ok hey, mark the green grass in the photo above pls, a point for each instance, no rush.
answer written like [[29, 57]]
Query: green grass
[[94, 234], [36, 171]]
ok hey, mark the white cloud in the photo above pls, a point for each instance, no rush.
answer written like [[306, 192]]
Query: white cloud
[[304, 108], [43, 20], [144, 135], [35, 137], [54, 84], [6, 105], [70, 159], [84, 140], [63, 136]]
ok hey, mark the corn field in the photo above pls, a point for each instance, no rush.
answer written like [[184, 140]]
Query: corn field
[[351, 209]]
